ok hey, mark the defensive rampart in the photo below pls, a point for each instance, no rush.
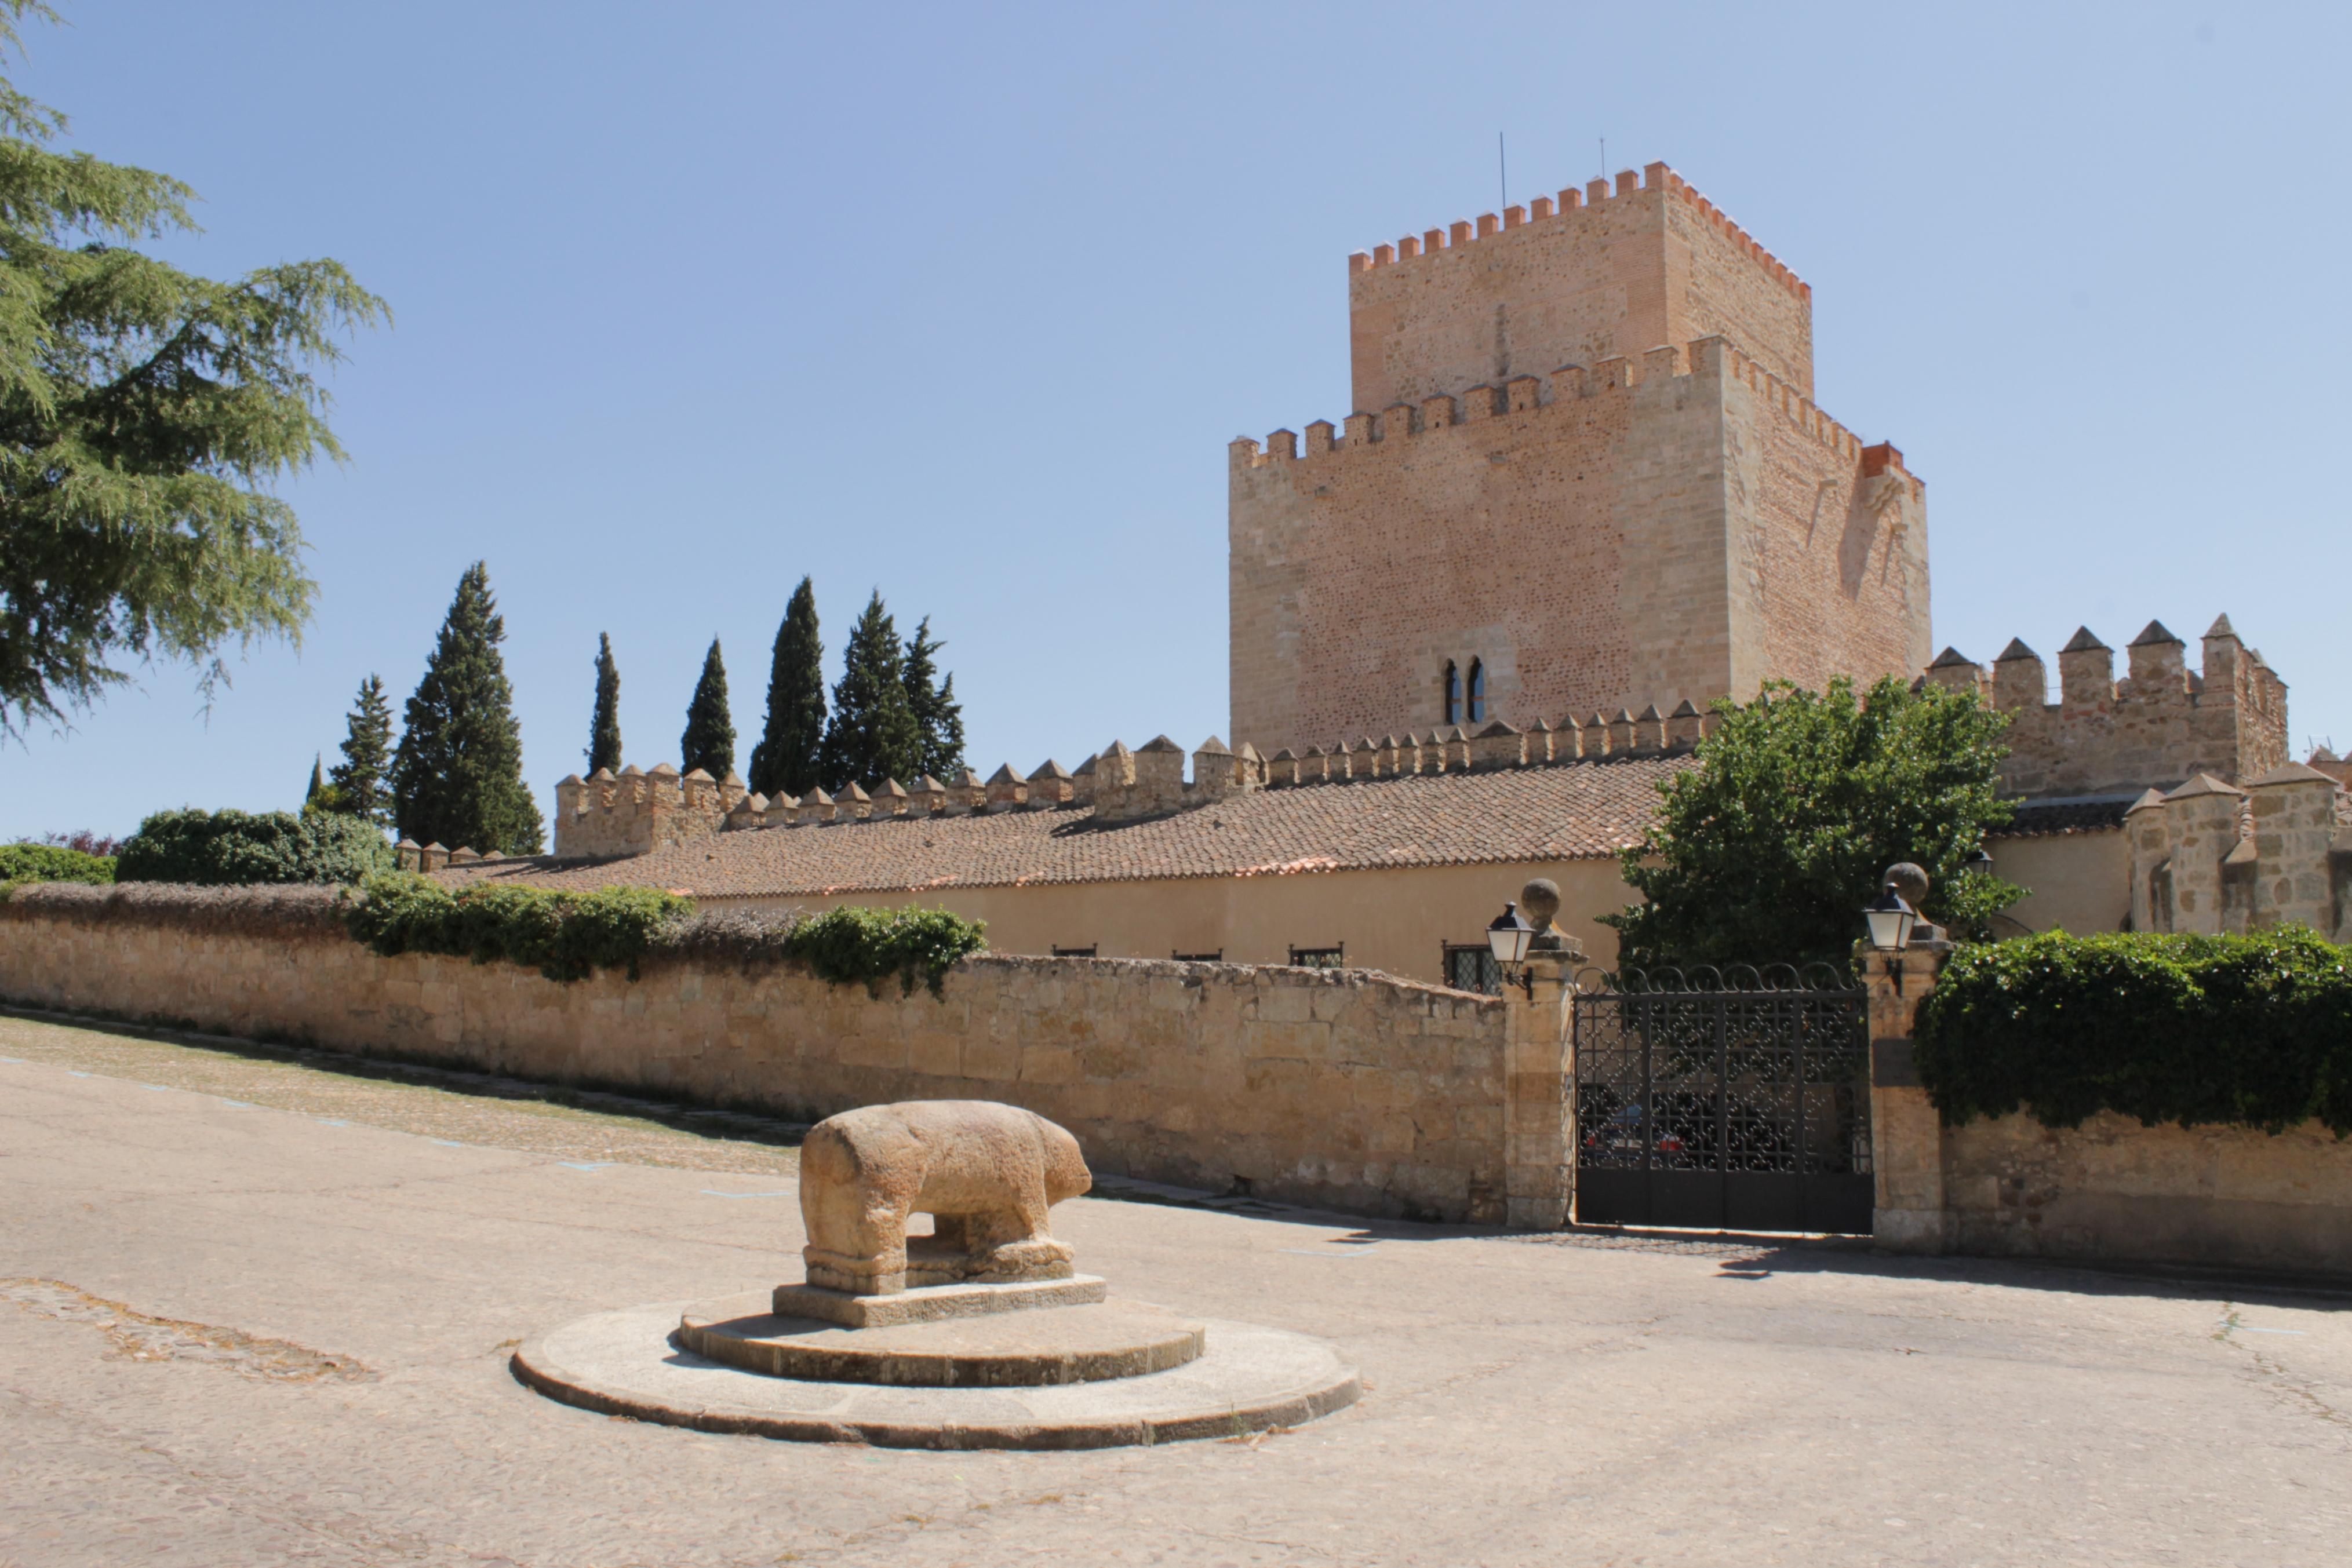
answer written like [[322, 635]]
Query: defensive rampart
[[602, 817], [2162, 724], [2211, 857], [1338, 1088]]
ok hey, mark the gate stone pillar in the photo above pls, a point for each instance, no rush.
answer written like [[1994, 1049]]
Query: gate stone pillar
[[1906, 1133], [1538, 1108]]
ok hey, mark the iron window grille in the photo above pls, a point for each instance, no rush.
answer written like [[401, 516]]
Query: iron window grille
[[1319, 957], [1471, 967]]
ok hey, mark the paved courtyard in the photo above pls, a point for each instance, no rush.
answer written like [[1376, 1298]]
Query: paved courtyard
[[258, 1309]]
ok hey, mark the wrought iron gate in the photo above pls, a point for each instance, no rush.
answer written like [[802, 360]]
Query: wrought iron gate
[[1738, 1101]]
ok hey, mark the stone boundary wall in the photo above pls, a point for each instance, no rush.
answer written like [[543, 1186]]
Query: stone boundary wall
[[1344, 1089], [2113, 1191], [2108, 1191]]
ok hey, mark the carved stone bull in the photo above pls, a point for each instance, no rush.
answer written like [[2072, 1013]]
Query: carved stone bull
[[985, 1172]]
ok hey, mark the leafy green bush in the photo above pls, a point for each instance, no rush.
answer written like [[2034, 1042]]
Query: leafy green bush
[[226, 848], [853, 945], [47, 862], [564, 935], [2253, 1030], [1769, 848]]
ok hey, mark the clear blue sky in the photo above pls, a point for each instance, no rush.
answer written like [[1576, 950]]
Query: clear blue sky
[[964, 302]]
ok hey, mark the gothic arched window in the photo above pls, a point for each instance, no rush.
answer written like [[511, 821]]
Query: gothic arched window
[[1478, 690], [1453, 694]]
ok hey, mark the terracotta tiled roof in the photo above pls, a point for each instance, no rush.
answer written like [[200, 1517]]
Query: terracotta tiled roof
[[2041, 819], [1566, 811]]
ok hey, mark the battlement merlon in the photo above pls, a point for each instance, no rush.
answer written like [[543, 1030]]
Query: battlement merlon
[[1566, 388], [2160, 725], [1582, 279]]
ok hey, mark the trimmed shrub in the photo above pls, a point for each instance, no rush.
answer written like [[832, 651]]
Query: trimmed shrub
[[47, 862], [858, 946], [284, 913], [2253, 1031], [219, 849], [564, 935]]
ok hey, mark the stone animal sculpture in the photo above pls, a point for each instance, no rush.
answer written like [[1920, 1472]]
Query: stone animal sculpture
[[985, 1172]]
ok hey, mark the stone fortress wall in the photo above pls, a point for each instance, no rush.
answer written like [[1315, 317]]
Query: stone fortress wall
[[615, 816], [1672, 519], [2162, 724], [2212, 857]]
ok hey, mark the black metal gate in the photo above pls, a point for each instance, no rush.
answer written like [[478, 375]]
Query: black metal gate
[[1738, 1102]]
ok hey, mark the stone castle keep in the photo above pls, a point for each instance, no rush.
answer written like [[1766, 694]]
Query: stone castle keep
[[1584, 472], [1584, 494]]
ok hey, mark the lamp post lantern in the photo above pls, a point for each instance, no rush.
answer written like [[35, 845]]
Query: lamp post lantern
[[1508, 937], [1890, 919]]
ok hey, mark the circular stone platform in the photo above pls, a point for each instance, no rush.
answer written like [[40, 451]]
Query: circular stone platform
[[1045, 1346], [1244, 1379]]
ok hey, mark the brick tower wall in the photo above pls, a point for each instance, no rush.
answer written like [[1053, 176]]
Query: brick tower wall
[[1679, 527], [1586, 277]]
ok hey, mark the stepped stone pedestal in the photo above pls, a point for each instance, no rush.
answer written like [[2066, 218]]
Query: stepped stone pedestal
[[999, 1342]]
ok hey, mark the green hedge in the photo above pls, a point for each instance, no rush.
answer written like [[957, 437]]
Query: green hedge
[[47, 862], [568, 935], [851, 946], [2253, 1031], [219, 849], [564, 935]]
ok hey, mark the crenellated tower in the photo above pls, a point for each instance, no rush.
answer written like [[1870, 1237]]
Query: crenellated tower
[[1584, 472]]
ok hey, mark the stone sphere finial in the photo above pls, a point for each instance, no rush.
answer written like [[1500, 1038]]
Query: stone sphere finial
[[1539, 901], [1909, 880]]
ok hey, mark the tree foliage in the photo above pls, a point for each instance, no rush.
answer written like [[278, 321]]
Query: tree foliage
[[872, 734], [229, 848], [52, 863], [939, 717], [456, 778], [2249, 1030], [604, 727], [784, 760], [1767, 850], [709, 742], [358, 784], [144, 414]]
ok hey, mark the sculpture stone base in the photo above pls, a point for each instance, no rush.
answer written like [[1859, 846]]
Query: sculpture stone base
[[1089, 1344], [1246, 1379], [932, 1304]]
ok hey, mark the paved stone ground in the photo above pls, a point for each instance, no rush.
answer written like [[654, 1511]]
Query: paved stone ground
[[255, 1311]]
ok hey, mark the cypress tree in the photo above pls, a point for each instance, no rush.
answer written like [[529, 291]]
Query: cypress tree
[[709, 742], [939, 717], [873, 734], [456, 778], [359, 777], [318, 781], [785, 761], [604, 728]]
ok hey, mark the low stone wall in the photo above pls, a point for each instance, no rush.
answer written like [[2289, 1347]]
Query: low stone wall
[[2112, 1190], [1345, 1089]]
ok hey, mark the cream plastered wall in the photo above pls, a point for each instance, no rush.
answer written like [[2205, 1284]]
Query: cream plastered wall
[[2081, 881], [1395, 921], [1398, 921]]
